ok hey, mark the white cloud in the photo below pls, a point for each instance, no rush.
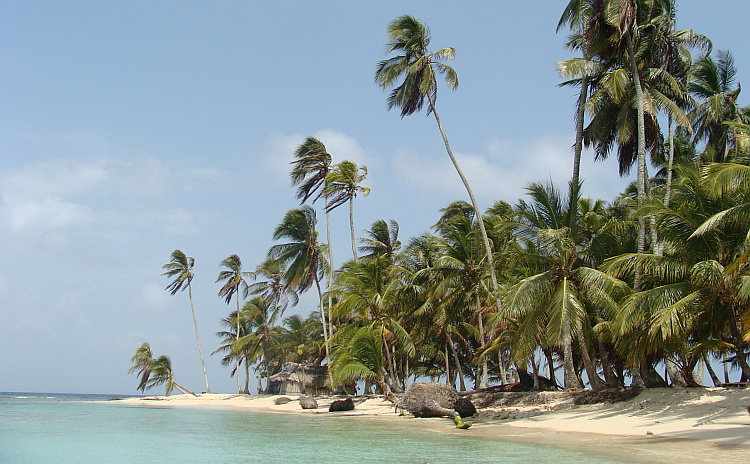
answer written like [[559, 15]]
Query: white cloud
[[502, 172], [342, 147], [279, 153], [72, 194]]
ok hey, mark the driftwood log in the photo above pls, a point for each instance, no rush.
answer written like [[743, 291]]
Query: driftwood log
[[308, 402], [433, 400], [342, 405]]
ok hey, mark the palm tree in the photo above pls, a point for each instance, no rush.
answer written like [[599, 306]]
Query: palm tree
[[233, 351], [342, 185], [142, 361], [234, 280], [273, 289], [368, 294], [309, 171], [713, 81], [696, 292], [419, 68], [162, 373], [382, 240], [459, 272], [180, 268], [261, 318], [302, 254]]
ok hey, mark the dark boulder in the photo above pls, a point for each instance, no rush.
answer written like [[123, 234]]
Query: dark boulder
[[282, 400], [342, 405], [465, 407]]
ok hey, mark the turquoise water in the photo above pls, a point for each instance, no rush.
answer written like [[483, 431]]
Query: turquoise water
[[69, 429]]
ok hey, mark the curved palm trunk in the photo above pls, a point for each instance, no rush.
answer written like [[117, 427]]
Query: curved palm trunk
[[487, 247], [182, 389], [351, 226], [197, 338]]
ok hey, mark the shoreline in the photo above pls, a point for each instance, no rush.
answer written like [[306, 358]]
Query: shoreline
[[694, 424]]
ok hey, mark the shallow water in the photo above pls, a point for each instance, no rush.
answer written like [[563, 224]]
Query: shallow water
[[56, 429]]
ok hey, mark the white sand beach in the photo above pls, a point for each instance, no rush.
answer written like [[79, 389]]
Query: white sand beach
[[694, 424]]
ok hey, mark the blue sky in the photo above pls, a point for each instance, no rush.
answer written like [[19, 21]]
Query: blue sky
[[129, 129]]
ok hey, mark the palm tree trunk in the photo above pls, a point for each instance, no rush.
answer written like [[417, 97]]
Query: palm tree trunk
[[236, 340], [535, 373], [588, 363], [711, 372], [351, 226], [578, 148], [330, 276], [572, 382], [247, 377], [183, 389], [457, 361], [487, 247], [501, 366], [197, 338], [484, 381], [325, 330], [550, 366], [670, 164], [641, 154], [448, 367]]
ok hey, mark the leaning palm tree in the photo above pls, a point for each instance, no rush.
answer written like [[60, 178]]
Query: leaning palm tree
[[234, 280], [180, 268], [342, 185], [162, 373], [419, 69], [142, 361]]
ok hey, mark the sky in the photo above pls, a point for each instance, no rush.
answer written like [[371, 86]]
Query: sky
[[131, 129]]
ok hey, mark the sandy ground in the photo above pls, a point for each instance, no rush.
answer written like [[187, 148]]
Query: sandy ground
[[659, 425]]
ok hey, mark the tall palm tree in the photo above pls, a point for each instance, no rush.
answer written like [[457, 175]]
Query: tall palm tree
[[302, 254], [310, 168], [180, 268], [419, 69], [234, 281], [342, 185]]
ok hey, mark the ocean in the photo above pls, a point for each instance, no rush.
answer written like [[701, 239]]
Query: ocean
[[54, 428]]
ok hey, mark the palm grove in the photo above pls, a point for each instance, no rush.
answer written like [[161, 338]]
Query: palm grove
[[643, 290]]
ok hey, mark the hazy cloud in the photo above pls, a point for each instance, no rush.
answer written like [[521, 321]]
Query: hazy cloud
[[503, 171]]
